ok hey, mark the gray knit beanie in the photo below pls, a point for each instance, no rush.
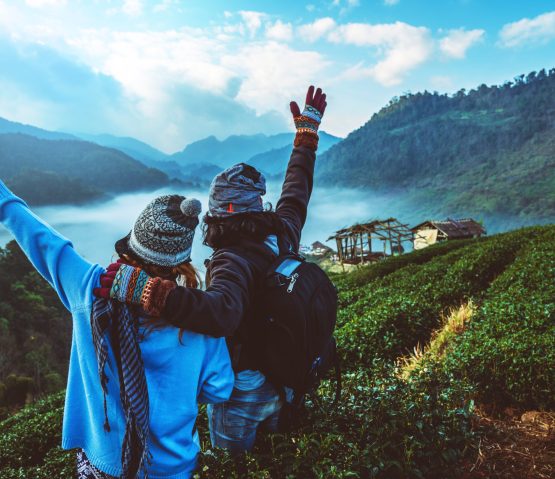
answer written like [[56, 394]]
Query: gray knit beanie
[[238, 189], [163, 233]]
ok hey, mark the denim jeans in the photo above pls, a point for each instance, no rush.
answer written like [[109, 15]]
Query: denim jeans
[[234, 423]]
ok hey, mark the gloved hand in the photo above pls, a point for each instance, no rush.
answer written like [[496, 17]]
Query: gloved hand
[[130, 285], [308, 121]]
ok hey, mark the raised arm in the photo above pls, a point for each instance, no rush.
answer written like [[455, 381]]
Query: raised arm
[[50, 253], [297, 187], [217, 311]]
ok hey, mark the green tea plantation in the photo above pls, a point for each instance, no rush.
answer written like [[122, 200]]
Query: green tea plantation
[[437, 347]]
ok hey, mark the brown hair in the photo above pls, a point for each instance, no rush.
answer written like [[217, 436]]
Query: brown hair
[[190, 277], [220, 232]]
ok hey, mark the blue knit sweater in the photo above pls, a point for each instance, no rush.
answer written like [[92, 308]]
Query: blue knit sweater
[[179, 375]]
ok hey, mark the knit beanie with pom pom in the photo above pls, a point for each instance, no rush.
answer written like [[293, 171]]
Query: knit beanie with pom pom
[[164, 231]]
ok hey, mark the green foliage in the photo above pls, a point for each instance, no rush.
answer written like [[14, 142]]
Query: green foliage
[[400, 310], [76, 171], [35, 331], [386, 425], [383, 428], [488, 151], [30, 442], [509, 349]]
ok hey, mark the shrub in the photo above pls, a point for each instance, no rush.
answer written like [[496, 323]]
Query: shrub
[[383, 428], [511, 339], [403, 308]]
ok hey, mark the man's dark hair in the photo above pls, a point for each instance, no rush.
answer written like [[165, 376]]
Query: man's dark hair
[[220, 232]]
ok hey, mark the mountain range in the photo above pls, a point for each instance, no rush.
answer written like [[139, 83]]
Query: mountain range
[[74, 167], [488, 151], [485, 152], [70, 171]]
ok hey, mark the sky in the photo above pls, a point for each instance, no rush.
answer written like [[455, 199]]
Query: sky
[[172, 72]]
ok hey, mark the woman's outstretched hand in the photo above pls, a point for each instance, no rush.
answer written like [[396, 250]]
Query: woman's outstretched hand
[[107, 281], [314, 99], [308, 122]]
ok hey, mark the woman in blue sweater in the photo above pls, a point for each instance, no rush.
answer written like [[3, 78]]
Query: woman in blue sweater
[[133, 389]]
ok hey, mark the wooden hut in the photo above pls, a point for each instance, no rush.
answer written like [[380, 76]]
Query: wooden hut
[[431, 232], [320, 249], [354, 244]]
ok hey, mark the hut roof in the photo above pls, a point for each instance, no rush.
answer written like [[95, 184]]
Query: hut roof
[[376, 227], [461, 228], [318, 245]]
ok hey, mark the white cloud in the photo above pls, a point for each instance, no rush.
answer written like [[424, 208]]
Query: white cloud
[[458, 41], [280, 31], [253, 20], [273, 74], [390, 2], [312, 32], [164, 5], [539, 29], [242, 82], [402, 46], [349, 3], [45, 3], [132, 8]]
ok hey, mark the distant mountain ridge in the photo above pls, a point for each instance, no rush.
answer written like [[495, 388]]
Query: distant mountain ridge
[[67, 171], [228, 152], [487, 151], [7, 126], [274, 162]]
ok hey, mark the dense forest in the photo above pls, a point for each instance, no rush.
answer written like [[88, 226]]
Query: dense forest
[[65, 171], [487, 150], [35, 332], [483, 314]]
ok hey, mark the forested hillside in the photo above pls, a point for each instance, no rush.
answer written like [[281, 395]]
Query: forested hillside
[[487, 150], [35, 332], [483, 313], [65, 171]]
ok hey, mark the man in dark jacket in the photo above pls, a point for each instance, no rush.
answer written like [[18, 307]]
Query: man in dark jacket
[[245, 239]]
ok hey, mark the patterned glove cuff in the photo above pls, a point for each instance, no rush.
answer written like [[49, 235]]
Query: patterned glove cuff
[[155, 295], [308, 139], [128, 284], [133, 286]]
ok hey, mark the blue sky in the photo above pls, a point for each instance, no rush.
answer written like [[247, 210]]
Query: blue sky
[[170, 72]]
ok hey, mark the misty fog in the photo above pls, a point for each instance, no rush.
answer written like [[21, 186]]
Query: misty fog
[[94, 228]]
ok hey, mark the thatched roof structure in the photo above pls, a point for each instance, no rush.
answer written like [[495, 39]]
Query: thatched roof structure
[[454, 229]]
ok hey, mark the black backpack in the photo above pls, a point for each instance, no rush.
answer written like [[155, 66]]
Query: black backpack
[[291, 323]]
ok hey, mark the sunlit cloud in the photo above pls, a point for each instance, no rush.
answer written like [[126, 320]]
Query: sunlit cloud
[[540, 29], [312, 32], [280, 31], [252, 20], [457, 42], [403, 47], [45, 3]]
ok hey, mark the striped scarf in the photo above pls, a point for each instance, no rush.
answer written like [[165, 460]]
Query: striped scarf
[[116, 321]]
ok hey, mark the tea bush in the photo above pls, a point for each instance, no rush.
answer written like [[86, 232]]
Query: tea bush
[[387, 425], [384, 428], [403, 308], [509, 349]]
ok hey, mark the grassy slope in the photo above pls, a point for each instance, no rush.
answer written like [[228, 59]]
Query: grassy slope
[[388, 426]]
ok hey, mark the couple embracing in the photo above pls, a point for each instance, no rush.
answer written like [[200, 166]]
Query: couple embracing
[[148, 345]]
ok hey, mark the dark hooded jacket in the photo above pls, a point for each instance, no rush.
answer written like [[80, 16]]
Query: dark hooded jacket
[[221, 309]]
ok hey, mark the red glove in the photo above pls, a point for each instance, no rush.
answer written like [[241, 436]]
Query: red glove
[[107, 280], [308, 122]]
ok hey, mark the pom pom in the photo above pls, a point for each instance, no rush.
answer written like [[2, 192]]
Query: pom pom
[[190, 207]]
